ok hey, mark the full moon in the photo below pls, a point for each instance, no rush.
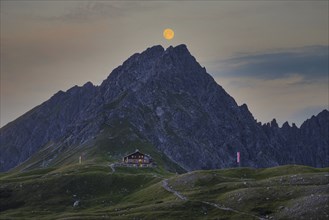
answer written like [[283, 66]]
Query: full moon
[[168, 34]]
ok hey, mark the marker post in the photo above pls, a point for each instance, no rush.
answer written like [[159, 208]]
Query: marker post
[[238, 158]]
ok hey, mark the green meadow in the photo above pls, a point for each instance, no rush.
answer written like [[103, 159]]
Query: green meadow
[[285, 192]]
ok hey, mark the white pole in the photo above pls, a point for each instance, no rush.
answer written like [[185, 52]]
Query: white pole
[[80, 160]]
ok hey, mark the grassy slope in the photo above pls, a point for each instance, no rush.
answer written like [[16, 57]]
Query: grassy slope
[[284, 192], [47, 185], [281, 192], [110, 145]]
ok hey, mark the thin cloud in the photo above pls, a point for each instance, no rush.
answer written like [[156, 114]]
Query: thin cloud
[[91, 11], [308, 62]]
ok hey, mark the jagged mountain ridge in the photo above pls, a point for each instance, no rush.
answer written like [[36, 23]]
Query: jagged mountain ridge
[[173, 103]]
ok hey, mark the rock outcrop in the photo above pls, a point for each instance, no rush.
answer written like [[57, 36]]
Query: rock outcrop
[[172, 102]]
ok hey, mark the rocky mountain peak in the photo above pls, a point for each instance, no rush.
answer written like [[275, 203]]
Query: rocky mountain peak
[[274, 124], [323, 114], [154, 54], [286, 125], [174, 67], [88, 85], [180, 50], [165, 98]]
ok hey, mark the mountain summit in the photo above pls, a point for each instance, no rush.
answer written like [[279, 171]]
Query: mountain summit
[[165, 100]]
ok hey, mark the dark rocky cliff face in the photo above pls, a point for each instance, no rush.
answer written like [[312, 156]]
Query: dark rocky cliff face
[[307, 145], [66, 118], [172, 102]]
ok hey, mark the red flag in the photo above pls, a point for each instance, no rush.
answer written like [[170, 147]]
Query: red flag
[[238, 157]]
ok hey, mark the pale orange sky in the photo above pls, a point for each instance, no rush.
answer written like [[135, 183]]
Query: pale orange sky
[[47, 46]]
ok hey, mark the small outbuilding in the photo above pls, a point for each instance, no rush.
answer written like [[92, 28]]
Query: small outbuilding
[[137, 158]]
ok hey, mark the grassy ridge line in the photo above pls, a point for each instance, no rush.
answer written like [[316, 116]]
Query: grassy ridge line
[[46, 191], [279, 192]]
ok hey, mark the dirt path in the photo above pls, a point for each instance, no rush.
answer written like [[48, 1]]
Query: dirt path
[[232, 210], [169, 189], [166, 186], [112, 167]]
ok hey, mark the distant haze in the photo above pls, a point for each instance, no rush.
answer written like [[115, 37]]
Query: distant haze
[[271, 55]]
